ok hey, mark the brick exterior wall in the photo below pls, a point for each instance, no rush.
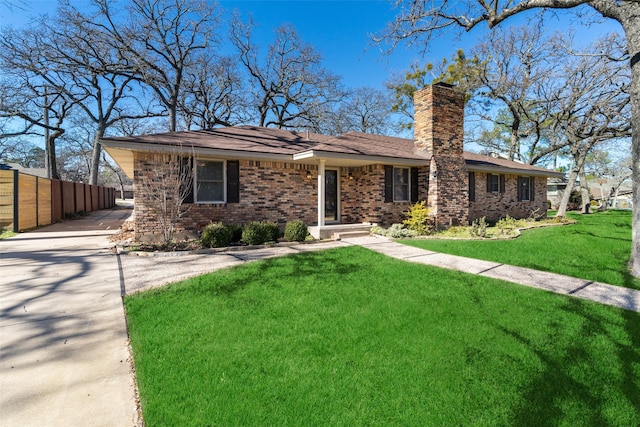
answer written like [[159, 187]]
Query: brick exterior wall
[[270, 191], [439, 132], [495, 206], [362, 199]]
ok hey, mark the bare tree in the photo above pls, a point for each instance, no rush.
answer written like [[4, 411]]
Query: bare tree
[[160, 42], [212, 94], [37, 95], [364, 109], [418, 21], [593, 106], [165, 189], [291, 89]]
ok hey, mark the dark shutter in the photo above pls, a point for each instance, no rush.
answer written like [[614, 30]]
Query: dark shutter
[[187, 164], [414, 185], [472, 186], [488, 183], [531, 189], [388, 183], [233, 181], [502, 186]]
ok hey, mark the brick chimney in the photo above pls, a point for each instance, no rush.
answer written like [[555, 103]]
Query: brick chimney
[[439, 133]]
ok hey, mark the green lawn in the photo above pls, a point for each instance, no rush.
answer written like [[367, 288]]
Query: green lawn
[[348, 337], [596, 248]]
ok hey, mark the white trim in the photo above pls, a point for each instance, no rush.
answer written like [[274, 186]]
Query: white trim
[[365, 159], [201, 151]]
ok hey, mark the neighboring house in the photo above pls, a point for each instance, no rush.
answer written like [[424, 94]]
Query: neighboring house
[[248, 173], [39, 172], [606, 190], [555, 190]]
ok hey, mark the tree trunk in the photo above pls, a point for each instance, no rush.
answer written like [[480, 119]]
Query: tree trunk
[[564, 201], [95, 162], [585, 201], [51, 162], [631, 25]]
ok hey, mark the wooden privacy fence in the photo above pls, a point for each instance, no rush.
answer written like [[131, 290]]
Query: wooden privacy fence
[[28, 201]]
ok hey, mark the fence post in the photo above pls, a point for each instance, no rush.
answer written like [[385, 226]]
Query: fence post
[[16, 205]]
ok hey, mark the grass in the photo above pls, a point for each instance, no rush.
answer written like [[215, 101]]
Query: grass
[[596, 248], [348, 337]]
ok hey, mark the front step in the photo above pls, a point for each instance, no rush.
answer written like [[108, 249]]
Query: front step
[[334, 231], [350, 234]]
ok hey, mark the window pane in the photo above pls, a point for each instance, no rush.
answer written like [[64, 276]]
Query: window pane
[[210, 192], [210, 171], [400, 184], [495, 183]]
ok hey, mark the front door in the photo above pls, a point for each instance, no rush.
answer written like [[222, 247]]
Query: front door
[[331, 195]]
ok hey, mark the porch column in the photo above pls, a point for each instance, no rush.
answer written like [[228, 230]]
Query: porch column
[[321, 193]]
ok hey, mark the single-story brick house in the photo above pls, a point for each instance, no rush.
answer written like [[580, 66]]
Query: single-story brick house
[[248, 173]]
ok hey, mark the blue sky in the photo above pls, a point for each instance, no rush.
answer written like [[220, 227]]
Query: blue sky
[[340, 31]]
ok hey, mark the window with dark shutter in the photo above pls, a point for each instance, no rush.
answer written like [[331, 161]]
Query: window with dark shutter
[[493, 183], [233, 181], [524, 188], [388, 183], [414, 185], [472, 186]]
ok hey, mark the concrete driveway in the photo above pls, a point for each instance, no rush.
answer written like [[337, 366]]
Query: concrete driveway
[[64, 358]]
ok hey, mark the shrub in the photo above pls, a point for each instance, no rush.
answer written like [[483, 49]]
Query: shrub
[[259, 232], [254, 233], [396, 231], [295, 231], [272, 231], [479, 227], [418, 218], [507, 224], [216, 235]]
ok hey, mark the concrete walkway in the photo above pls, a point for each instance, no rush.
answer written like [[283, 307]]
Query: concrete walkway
[[600, 292], [64, 355]]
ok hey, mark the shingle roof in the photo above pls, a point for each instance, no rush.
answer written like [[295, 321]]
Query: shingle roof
[[269, 141], [370, 145], [237, 138]]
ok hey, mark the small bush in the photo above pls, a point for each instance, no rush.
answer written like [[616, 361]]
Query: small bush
[[272, 231], [216, 235], [396, 231], [507, 224], [479, 227], [418, 218], [254, 233], [295, 231], [259, 232]]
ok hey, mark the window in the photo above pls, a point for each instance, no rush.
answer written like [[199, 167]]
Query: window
[[525, 188], [400, 184], [495, 183], [210, 182]]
